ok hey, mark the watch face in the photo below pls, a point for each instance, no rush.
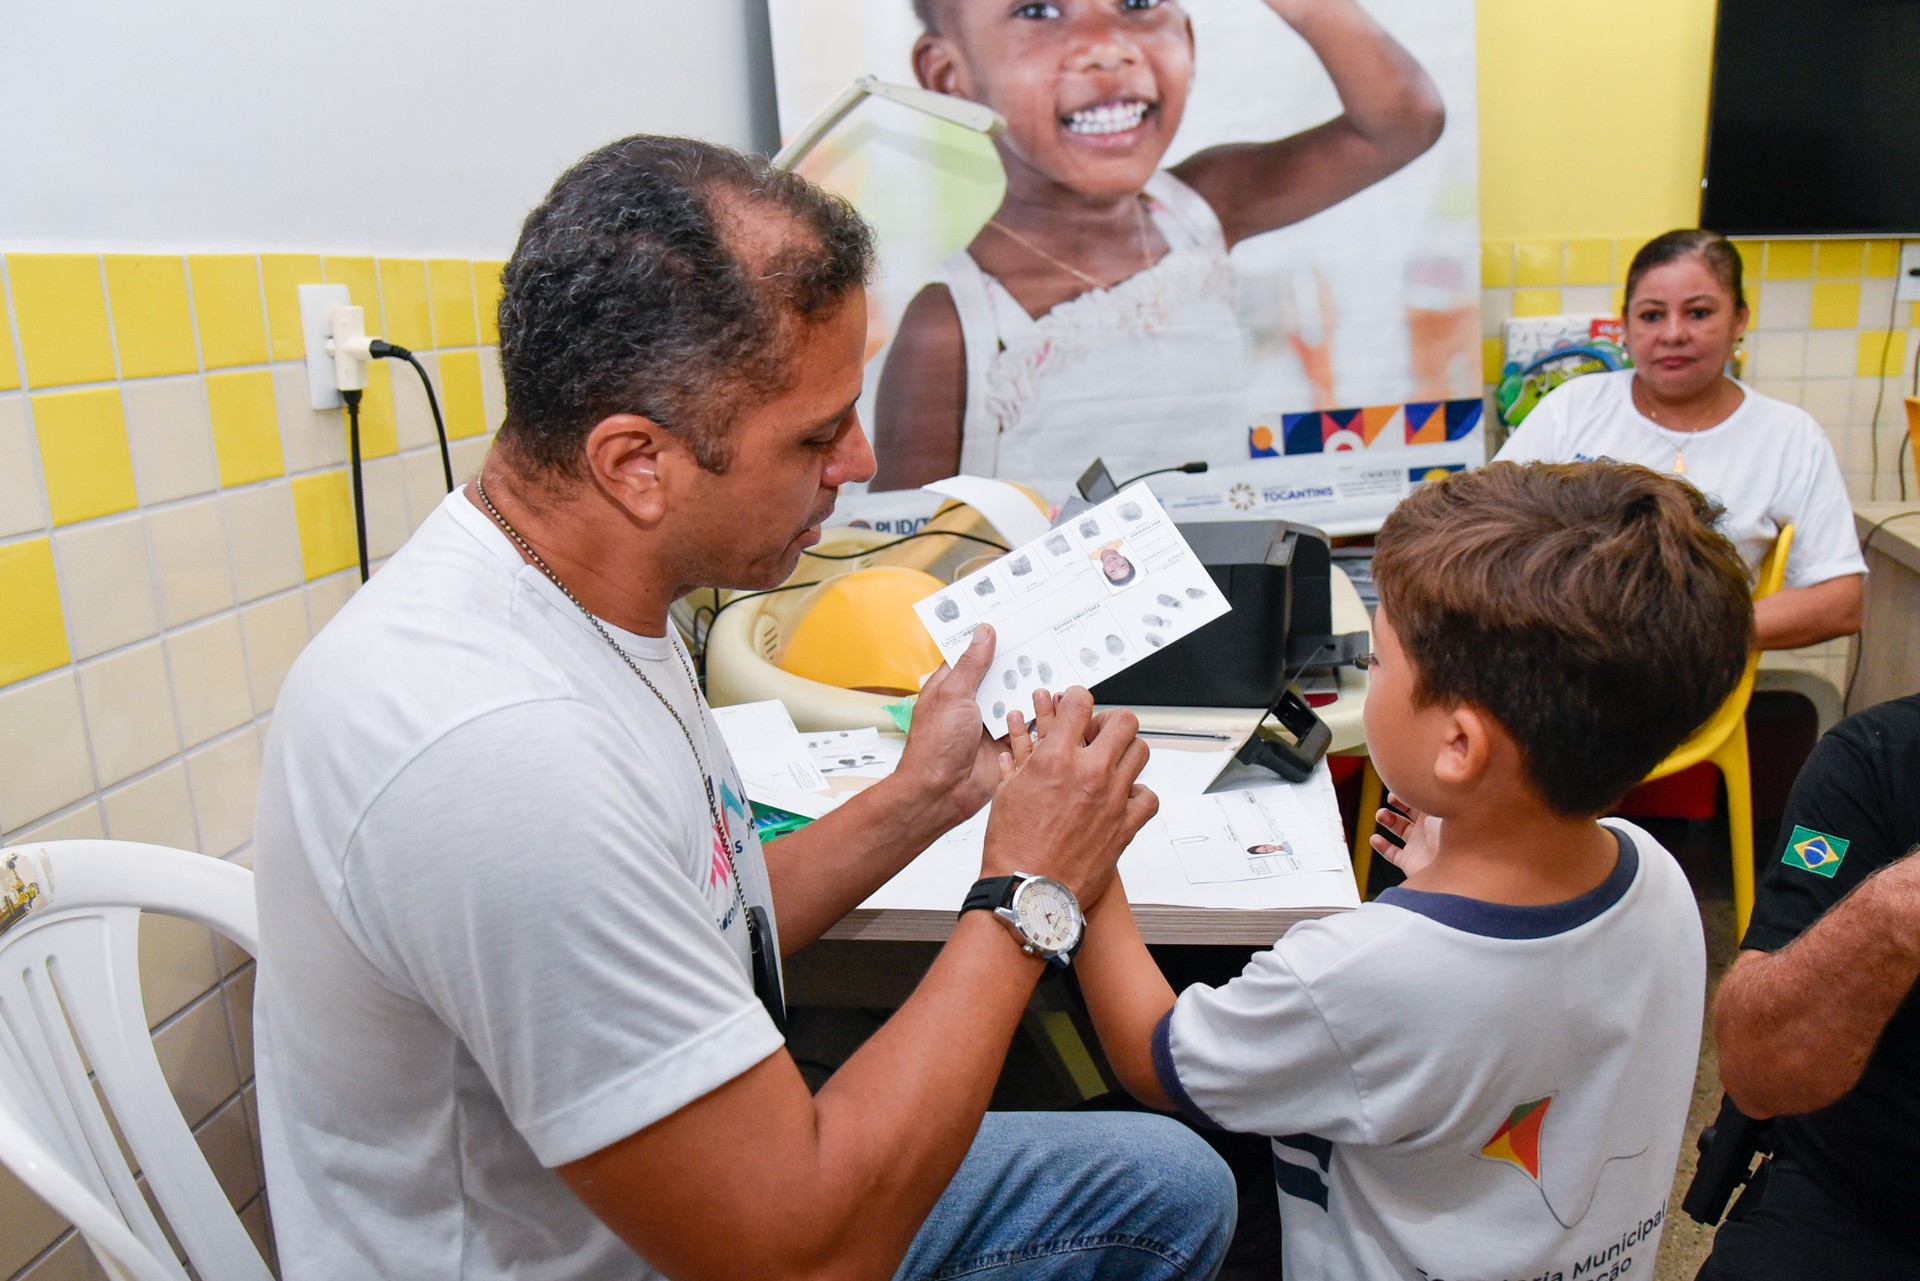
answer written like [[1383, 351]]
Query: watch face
[[1049, 914]]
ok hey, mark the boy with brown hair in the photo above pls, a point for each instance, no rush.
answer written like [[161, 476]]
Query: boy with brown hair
[[1485, 1072]]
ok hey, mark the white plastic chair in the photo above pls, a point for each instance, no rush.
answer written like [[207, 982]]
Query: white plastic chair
[[70, 999]]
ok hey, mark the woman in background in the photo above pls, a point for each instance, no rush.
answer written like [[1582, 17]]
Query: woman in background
[[1768, 463]]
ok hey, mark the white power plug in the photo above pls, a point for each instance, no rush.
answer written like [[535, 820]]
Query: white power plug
[[350, 348]]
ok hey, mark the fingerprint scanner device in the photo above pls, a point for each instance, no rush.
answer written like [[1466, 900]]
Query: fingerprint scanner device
[[1276, 576]]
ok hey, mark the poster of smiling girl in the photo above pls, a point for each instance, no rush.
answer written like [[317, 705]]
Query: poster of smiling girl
[[1155, 263]]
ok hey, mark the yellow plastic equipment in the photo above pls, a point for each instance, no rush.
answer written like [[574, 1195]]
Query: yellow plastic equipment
[[858, 631], [1722, 742]]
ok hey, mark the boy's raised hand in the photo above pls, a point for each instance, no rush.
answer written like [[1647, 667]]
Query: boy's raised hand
[[1419, 834], [1068, 801]]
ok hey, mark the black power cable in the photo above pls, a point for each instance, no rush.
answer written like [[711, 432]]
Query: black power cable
[[380, 349], [359, 497]]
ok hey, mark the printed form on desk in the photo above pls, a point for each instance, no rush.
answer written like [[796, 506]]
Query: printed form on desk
[[1252, 842]]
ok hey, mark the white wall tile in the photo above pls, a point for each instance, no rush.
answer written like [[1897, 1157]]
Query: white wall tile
[[171, 436], [210, 685], [310, 438], [43, 743], [156, 809], [411, 415], [190, 560], [468, 454], [176, 964], [386, 502], [326, 595], [275, 632], [1784, 304], [262, 540], [22, 505], [223, 777], [107, 584], [196, 1056], [1787, 389], [1575, 299], [129, 709], [80, 824], [493, 389], [1831, 353], [1827, 399], [228, 1146], [1776, 354], [1877, 307], [1496, 307], [426, 485]]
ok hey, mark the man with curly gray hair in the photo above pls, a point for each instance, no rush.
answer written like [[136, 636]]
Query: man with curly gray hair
[[519, 1008]]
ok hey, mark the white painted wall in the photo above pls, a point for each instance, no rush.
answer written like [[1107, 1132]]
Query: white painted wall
[[403, 127]]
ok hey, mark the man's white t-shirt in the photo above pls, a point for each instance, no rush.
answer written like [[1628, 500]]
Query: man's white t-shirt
[[498, 929], [1768, 464], [1463, 1091]]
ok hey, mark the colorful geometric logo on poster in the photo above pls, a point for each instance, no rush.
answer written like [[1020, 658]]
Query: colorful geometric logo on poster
[[1332, 431], [1517, 1141]]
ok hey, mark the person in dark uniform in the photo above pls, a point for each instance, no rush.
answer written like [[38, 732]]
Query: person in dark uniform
[[1818, 1023]]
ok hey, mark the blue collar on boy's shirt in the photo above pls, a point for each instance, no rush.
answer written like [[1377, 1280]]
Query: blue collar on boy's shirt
[[1505, 921]]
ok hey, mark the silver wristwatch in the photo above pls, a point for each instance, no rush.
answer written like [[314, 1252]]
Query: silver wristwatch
[[1042, 913]]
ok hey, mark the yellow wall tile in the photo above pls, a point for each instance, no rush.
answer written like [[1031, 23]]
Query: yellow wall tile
[[362, 280], [226, 302], [1876, 346], [1788, 260], [1537, 262], [1496, 264], [1536, 302], [403, 300], [1493, 359], [9, 367], [1751, 254], [379, 429], [151, 323], [460, 394], [450, 280], [1624, 249], [283, 274], [1589, 262], [1883, 258], [62, 312], [1836, 304], [486, 297], [1839, 259], [1914, 319], [35, 637], [246, 427], [323, 509], [84, 453]]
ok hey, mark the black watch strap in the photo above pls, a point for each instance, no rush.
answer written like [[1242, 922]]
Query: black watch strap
[[989, 892]]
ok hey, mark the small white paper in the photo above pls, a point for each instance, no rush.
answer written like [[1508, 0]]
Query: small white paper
[[1002, 505], [1081, 602], [767, 749]]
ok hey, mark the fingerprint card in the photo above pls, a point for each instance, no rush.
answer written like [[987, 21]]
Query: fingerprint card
[[1085, 600]]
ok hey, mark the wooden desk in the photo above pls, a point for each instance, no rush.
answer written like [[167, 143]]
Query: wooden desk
[[1161, 924], [1888, 650]]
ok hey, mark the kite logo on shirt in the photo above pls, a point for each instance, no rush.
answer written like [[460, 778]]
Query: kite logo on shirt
[[1517, 1141], [1815, 852]]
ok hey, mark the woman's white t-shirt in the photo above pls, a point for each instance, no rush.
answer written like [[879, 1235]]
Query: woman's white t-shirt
[[1768, 464]]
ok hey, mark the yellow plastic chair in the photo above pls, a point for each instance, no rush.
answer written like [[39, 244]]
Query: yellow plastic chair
[[1721, 742]]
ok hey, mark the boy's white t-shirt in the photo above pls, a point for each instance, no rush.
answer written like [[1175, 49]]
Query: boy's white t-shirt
[[498, 932], [1768, 464], [1461, 1090]]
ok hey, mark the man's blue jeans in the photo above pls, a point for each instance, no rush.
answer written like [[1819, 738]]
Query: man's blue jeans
[[1077, 1196]]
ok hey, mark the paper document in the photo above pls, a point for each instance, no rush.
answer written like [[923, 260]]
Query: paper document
[[1074, 606], [1004, 506]]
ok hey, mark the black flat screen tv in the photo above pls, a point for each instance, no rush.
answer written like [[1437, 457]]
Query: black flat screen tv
[[1814, 125]]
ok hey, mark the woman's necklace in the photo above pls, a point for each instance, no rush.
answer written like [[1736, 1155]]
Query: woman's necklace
[[1651, 416], [1091, 282]]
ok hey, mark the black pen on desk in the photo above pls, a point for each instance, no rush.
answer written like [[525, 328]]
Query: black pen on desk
[[1203, 735]]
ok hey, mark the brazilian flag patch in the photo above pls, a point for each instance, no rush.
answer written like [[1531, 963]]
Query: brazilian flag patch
[[1815, 852]]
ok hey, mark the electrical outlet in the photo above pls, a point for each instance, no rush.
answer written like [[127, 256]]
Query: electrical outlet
[[1908, 288], [316, 325]]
